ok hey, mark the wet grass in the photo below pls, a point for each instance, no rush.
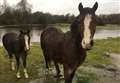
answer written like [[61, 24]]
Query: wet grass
[[36, 65]]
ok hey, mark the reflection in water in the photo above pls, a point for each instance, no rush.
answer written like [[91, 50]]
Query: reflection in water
[[35, 34], [103, 34]]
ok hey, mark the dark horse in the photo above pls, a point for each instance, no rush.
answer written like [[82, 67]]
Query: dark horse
[[70, 48], [17, 45]]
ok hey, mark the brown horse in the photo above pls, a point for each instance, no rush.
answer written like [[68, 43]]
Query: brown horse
[[70, 48], [17, 45]]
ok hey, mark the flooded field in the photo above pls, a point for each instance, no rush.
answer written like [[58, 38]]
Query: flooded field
[[96, 69]]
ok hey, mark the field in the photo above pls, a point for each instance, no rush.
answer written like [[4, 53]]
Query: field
[[89, 72]]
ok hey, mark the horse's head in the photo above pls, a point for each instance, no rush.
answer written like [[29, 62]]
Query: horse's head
[[87, 25], [25, 36]]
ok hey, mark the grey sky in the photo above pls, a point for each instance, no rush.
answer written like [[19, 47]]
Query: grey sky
[[71, 6]]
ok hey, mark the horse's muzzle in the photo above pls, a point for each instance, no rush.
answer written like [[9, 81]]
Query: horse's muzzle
[[27, 49], [88, 46]]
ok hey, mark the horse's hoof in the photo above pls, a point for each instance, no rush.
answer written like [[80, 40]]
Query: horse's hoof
[[26, 76], [58, 76], [18, 76]]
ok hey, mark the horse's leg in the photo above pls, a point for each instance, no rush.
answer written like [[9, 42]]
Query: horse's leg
[[18, 64], [46, 59], [57, 69], [24, 64], [12, 64], [68, 74]]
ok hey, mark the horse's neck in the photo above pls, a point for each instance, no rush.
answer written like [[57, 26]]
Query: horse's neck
[[75, 33], [20, 38]]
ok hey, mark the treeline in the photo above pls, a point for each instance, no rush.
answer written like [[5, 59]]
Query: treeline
[[16, 14], [21, 14], [17, 17], [108, 19], [41, 18]]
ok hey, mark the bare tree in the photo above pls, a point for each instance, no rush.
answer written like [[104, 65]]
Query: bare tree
[[24, 6], [0, 8]]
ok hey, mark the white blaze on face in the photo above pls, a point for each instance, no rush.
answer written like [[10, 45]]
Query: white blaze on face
[[87, 34], [26, 42]]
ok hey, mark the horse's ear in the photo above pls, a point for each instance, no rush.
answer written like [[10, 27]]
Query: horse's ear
[[28, 31], [95, 6], [21, 31], [80, 7]]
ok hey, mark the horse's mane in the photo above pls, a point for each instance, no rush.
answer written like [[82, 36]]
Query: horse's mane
[[74, 26], [75, 32]]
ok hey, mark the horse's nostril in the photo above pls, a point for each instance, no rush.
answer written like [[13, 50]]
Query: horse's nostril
[[27, 49], [91, 43], [88, 46]]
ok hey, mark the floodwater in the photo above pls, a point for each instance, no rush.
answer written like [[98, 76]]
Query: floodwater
[[35, 34]]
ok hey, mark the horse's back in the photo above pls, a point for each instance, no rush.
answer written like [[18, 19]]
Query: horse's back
[[52, 41], [52, 36], [9, 39]]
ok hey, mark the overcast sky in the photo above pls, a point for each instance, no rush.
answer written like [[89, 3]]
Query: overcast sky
[[71, 6]]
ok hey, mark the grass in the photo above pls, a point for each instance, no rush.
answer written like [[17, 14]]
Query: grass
[[36, 61], [96, 55]]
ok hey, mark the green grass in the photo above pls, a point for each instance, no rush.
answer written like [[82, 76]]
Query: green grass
[[96, 55], [36, 61]]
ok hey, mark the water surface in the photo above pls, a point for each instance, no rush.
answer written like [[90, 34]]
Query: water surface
[[35, 34]]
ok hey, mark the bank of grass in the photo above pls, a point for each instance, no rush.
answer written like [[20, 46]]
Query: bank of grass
[[36, 60], [107, 26]]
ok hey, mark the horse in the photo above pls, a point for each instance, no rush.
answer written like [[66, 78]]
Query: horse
[[70, 48], [17, 45]]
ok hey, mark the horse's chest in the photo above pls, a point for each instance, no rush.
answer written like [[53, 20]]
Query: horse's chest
[[17, 46], [73, 54]]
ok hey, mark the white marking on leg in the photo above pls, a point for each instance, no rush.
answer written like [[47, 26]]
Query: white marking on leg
[[25, 73], [26, 42], [12, 65], [87, 33], [18, 75]]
